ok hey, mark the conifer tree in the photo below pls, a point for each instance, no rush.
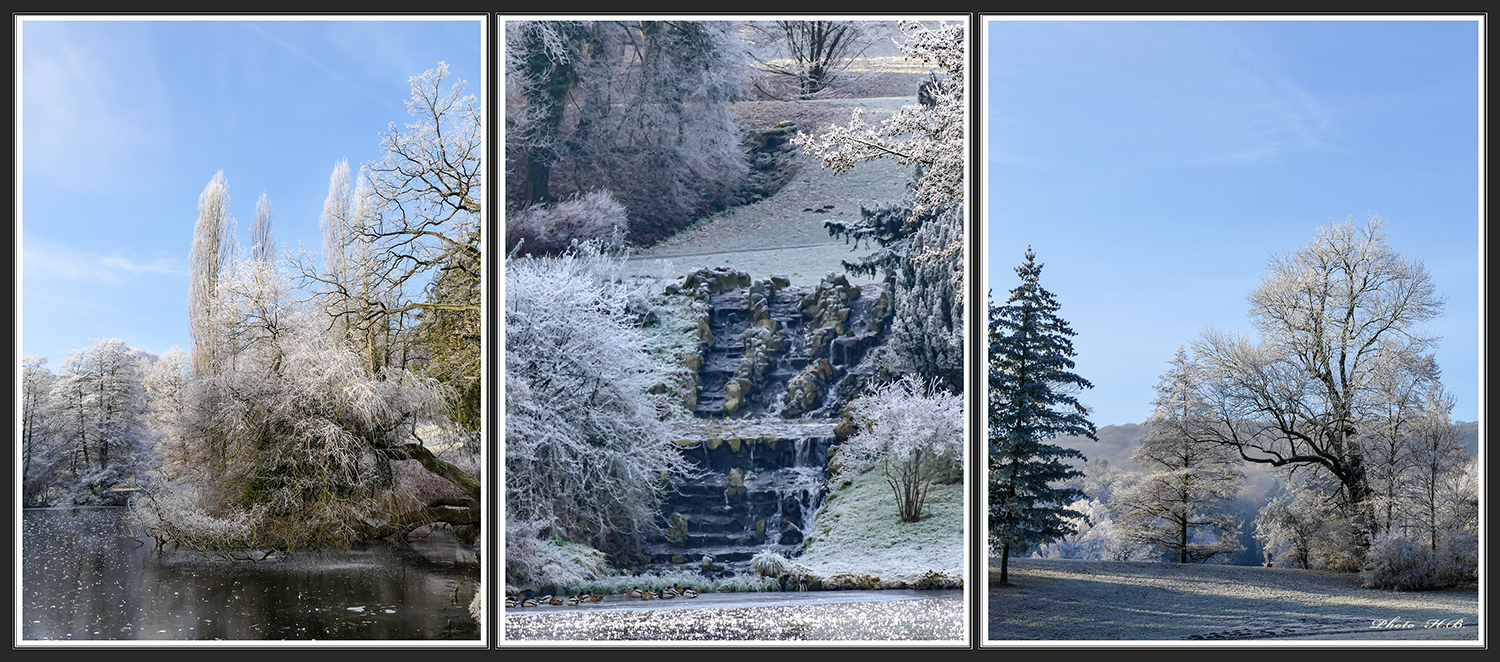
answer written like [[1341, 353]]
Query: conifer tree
[[1181, 510], [1031, 400]]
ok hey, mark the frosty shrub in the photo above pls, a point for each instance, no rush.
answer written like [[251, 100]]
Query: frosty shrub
[[1305, 528], [767, 563], [655, 581], [586, 458], [913, 433], [1097, 536], [1456, 561], [550, 229], [1398, 563], [530, 561]]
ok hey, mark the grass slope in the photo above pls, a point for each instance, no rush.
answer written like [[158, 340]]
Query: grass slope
[[858, 531]]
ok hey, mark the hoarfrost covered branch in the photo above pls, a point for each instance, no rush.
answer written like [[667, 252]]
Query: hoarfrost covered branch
[[586, 457]]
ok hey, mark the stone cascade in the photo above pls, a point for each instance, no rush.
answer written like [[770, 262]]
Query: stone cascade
[[771, 349], [761, 483], [773, 369]]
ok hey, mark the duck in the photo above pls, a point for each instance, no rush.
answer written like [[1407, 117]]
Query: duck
[[572, 601], [530, 602], [667, 593], [633, 594], [648, 595], [511, 601], [557, 601], [594, 597], [689, 593]]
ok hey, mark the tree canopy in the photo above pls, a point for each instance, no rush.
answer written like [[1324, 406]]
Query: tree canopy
[[1338, 319]]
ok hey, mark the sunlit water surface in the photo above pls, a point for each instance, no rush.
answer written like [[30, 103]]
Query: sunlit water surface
[[86, 576], [935, 616]]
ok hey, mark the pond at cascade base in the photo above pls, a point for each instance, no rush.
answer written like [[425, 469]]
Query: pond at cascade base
[[87, 576], [890, 615]]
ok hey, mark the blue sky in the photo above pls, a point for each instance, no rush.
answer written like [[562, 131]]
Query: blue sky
[[1156, 166], [123, 123]]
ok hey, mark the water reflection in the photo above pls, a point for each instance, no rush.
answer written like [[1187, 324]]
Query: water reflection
[[85, 577]]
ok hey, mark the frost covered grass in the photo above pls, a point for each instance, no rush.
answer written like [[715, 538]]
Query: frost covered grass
[[553, 562], [859, 532], [1078, 600], [656, 581]]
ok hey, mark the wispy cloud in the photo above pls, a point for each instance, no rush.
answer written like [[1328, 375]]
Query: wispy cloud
[[322, 66], [81, 116], [42, 260]]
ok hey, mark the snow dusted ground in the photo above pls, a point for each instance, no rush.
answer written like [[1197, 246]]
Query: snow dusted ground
[[859, 531], [776, 235], [1074, 600]]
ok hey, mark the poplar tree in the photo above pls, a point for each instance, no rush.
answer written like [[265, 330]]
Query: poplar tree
[[1031, 400]]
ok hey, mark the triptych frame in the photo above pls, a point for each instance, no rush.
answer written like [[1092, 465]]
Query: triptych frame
[[808, 331]]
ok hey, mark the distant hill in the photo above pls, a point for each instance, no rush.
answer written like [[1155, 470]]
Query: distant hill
[[1469, 433]]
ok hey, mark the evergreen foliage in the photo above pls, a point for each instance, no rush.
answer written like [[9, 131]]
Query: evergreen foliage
[[1031, 400], [928, 322]]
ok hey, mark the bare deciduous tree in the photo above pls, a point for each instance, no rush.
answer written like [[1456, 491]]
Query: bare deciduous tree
[[1333, 317], [816, 52]]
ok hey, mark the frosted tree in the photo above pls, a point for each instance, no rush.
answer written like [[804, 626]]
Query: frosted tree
[[165, 380], [37, 429], [928, 134], [213, 246], [921, 237], [928, 320], [586, 457], [1437, 457], [913, 433], [1396, 412], [262, 238], [101, 411], [297, 444], [403, 245], [1031, 400], [1181, 508], [1333, 317], [638, 108]]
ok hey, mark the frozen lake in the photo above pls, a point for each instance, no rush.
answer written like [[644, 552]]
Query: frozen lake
[[86, 577]]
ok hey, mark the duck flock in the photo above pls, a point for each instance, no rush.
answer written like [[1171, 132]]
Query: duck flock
[[581, 598]]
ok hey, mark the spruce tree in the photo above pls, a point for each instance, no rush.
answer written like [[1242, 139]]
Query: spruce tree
[[1031, 401]]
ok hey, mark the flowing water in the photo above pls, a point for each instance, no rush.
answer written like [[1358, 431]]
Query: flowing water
[[87, 576], [782, 362]]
